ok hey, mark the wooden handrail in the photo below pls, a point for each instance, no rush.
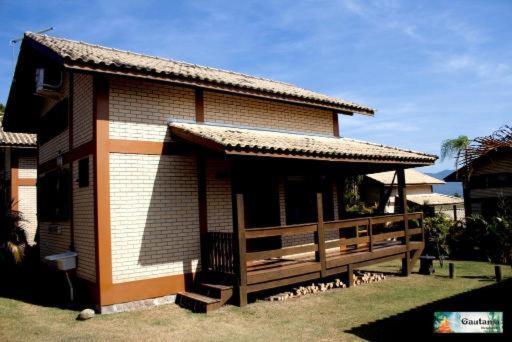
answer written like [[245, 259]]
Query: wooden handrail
[[253, 233], [363, 221], [275, 253]]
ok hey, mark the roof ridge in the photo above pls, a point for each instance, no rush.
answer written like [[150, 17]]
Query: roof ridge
[[28, 33]]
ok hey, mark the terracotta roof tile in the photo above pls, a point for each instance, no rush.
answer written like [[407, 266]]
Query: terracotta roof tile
[[434, 199], [83, 53], [16, 139], [411, 177], [232, 140]]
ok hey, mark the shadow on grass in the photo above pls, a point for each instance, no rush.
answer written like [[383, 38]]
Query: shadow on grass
[[417, 323], [43, 287], [480, 278]]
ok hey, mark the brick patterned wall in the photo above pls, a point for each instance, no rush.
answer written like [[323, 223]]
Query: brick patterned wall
[[139, 110], [82, 109], [154, 216], [7, 162], [83, 224], [218, 196], [240, 110], [50, 149], [27, 204], [27, 167], [54, 242]]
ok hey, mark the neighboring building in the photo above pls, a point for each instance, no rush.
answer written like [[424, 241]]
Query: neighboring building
[[18, 175], [488, 182], [173, 169], [419, 187]]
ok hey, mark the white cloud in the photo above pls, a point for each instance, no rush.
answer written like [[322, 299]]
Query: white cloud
[[488, 71]]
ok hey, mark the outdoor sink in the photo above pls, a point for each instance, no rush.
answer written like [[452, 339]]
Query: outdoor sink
[[64, 261]]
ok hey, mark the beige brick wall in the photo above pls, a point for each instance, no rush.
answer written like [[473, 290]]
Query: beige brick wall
[[27, 167], [82, 109], [218, 196], [53, 242], [83, 224], [139, 110], [27, 204], [154, 216], [240, 110], [52, 148]]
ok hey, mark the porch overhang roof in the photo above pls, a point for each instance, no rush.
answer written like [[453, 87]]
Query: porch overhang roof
[[237, 141]]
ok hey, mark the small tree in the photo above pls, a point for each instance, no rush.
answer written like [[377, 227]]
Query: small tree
[[13, 238], [437, 229]]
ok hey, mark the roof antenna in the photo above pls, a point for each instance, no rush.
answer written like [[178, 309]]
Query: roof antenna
[[19, 39]]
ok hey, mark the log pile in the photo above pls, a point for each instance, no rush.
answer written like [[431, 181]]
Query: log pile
[[367, 277], [359, 279]]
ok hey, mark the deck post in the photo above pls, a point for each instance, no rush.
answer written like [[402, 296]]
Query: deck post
[[320, 235], [241, 250], [402, 205], [370, 234], [350, 270]]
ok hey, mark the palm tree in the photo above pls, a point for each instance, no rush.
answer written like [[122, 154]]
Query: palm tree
[[454, 148]]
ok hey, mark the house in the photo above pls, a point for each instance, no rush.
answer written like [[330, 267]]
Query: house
[[18, 174], [420, 194], [188, 178], [486, 181]]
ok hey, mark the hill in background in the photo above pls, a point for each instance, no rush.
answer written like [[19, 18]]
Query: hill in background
[[450, 188]]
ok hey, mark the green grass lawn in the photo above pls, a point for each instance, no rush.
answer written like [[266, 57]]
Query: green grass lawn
[[325, 316]]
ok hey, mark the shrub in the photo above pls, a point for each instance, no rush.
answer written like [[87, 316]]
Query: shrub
[[13, 238], [437, 230], [483, 239]]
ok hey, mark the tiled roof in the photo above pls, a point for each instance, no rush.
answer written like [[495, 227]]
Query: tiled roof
[[234, 140], [80, 53], [16, 139], [411, 177], [434, 199]]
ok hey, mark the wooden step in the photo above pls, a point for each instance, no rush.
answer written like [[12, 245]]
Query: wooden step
[[197, 302], [220, 291]]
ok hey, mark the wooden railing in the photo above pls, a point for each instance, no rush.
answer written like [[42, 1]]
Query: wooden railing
[[219, 252], [227, 253], [386, 224]]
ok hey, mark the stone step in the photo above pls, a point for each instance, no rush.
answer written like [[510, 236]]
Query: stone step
[[197, 302]]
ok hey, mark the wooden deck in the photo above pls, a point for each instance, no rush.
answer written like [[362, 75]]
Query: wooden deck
[[362, 241], [275, 272]]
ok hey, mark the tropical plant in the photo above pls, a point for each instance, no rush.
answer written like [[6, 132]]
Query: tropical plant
[[437, 230], [454, 148], [485, 239], [13, 238]]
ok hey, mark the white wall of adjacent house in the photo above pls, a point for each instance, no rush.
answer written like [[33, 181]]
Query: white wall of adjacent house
[[411, 190], [27, 196]]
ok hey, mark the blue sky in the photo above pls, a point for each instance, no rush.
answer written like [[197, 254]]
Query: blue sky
[[432, 69]]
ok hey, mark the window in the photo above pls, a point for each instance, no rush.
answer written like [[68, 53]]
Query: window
[[261, 197], [54, 122], [83, 172], [54, 196], [301, 199]]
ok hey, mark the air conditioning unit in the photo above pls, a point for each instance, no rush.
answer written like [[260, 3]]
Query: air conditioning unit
[[48, 81]]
